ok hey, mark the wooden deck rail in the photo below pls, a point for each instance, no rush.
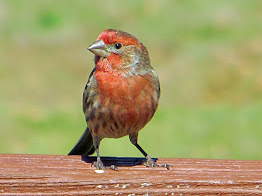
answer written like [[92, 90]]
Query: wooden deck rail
[[73, 175]]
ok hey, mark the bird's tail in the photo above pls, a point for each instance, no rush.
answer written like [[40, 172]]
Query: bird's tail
[[84, 146]]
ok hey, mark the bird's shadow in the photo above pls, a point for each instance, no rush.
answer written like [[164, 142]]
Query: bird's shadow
[[117, 161]]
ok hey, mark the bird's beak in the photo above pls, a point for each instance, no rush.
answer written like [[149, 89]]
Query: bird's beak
[[98, 48]]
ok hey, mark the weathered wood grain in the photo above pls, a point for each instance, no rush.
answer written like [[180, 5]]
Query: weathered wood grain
[[73, 175]]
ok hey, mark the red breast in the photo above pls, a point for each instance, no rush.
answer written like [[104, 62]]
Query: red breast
[[131, 99]]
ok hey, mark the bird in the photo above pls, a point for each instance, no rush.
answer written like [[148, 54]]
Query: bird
[[121, 95]]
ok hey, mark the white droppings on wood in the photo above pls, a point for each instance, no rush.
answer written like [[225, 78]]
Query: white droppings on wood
[[99, 171], [99, 186], [230, 182], [145, 184], [124, 186]]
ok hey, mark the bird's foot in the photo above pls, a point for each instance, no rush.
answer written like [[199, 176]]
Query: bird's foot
[[99, 165], [151, 163]]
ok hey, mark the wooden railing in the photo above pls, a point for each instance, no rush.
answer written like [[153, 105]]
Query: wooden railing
[[22, 174]]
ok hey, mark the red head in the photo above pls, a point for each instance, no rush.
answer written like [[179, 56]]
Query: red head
[[111, 36], [118, 50]]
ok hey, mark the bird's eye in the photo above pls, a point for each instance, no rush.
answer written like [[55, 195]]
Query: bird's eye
[[118, 45]]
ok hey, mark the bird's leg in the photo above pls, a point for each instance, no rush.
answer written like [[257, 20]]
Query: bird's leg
[[149, 161], [98, 163]]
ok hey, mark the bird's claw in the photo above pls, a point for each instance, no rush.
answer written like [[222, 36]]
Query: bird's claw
[[100, 166], [113, 167], [167, 166], [151, 163]]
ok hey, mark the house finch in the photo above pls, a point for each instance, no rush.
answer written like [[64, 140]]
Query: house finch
[[121, 95]]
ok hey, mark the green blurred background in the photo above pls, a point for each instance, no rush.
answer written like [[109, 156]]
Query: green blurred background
[[208, 55]]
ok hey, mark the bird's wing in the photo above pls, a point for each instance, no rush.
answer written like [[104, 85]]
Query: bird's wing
[[86, 93], [85, 146]]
